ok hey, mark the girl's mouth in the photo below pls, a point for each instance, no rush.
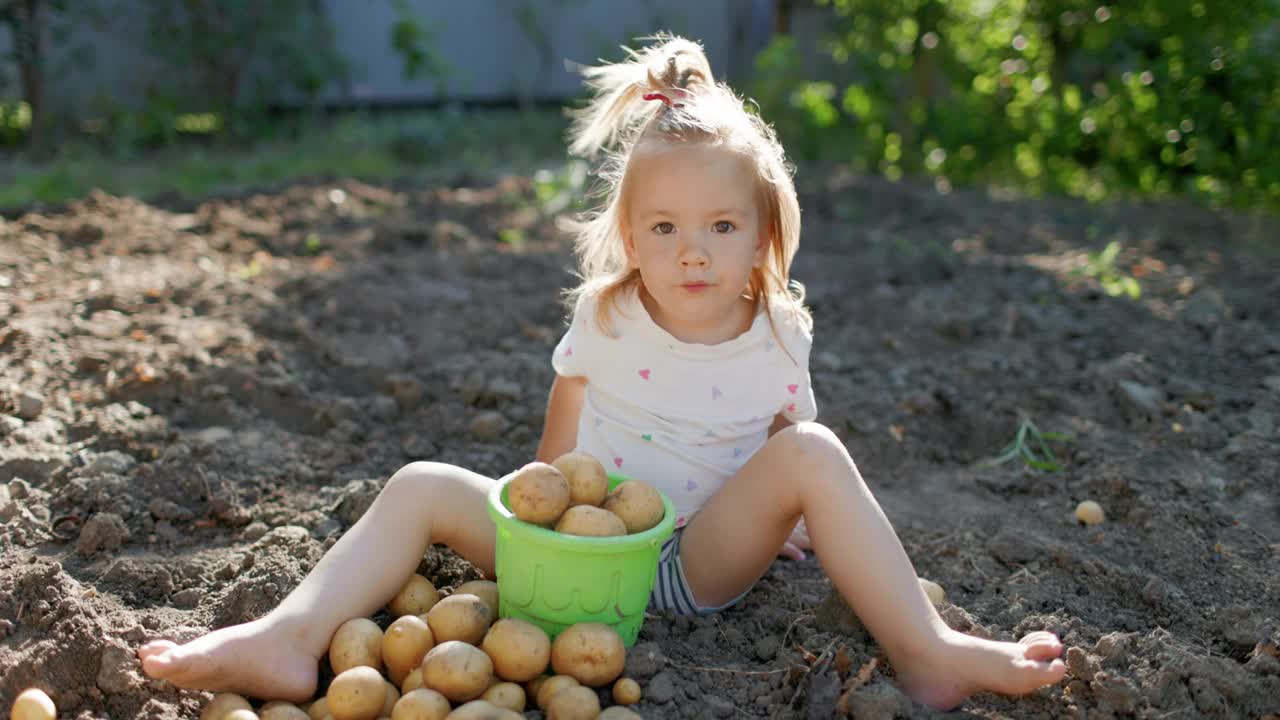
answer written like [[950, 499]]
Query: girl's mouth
[[695, 286]]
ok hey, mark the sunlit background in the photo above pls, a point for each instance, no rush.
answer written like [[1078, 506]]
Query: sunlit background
[[1151, 98]]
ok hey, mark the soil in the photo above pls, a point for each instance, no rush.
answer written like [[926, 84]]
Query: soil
[[198, 400]]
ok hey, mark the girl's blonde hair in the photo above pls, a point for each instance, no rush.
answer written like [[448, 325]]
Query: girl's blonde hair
[[685, 105]]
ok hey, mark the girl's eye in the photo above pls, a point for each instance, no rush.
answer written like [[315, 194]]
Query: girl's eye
[[664, 228], [724, 226]]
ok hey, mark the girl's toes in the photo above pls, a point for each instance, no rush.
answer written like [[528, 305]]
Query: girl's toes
[[1037, 637], [155, 647], [1044, 650]]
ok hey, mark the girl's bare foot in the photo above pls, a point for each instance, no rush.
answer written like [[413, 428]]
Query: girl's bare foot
[[252, 659], [965, 665]]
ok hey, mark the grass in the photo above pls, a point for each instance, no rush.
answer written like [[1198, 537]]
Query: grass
[[371, 147], [1029, 445]]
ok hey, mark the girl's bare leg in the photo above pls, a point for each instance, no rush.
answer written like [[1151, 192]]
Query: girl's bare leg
[[275, 656], [805, 471]]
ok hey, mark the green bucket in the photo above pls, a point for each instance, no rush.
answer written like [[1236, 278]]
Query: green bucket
[[554, 580]]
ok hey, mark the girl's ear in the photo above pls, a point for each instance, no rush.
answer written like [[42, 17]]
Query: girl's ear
[[762, 249], [629, 245]]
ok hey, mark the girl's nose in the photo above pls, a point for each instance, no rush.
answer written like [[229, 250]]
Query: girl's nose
[[694, 255]]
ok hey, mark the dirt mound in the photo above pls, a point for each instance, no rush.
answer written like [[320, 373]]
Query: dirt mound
[[195, 404]]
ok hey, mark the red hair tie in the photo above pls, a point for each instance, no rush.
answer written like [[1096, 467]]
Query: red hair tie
[[664, 99]]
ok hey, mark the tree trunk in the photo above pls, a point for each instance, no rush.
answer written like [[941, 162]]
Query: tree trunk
[[30, 53]]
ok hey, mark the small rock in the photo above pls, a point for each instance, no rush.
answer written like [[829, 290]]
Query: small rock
[[1240, 625], [1206, 309], [213, 435], [1114, 648], [186, 599], [1013, 548], [767, 647], [488, 425], [1080, 665], [229, 513], [104, 531], [821, 695], [718, 706], [116, 674], [406, 390], [8, 508], [1115, 693], [1272, 382], [113, 462], [1139, 401], [1262, 422], [879, 701], [501, 390], [19, 488], [255, 530], [1155, 592], [384, 408], [28, 404], [644, 660], [661, 689], [418, 447], [833, 614], [163, 509], [10, 424], [283, 536]]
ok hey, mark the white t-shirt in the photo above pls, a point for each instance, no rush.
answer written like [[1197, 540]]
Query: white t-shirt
[[683, 417]]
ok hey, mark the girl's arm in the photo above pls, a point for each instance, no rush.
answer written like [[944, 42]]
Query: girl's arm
[[560, 426], [779, 422]]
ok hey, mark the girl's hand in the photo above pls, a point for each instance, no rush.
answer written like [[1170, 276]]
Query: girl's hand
[[795, 545]]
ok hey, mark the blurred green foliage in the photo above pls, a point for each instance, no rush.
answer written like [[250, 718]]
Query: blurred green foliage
[[234, 58], [1149, 97]]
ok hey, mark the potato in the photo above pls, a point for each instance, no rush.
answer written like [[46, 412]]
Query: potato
[[462, 617], [357, 694], [35, 704], [421, 704], [593, 653], [412, 681], [483, 710], [531, 687], [319, 709], [241, 714], [933, 591], [520, 650], [1090, 513], [416, 597], [457, 670], [538, 494], [575, 703], [393, 697], [617, 712], [551, 686], [588, 481], [506, 695], [281, 710], [404, 644], [357, 642], [590, 521], [637, 503], [626, 691], [219, 706], [486, 590]]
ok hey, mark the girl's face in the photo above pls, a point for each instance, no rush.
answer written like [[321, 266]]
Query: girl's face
[[693, 229]]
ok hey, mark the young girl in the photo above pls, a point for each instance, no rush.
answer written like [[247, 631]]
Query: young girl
[[686, 365]]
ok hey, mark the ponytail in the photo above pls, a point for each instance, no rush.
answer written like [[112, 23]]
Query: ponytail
[[618, 108]]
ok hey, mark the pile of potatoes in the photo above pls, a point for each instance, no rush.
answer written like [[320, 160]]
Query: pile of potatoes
[[571, 495], [445, 657]]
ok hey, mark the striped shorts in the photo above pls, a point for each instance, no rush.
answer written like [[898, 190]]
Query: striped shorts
[[671, 589]]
